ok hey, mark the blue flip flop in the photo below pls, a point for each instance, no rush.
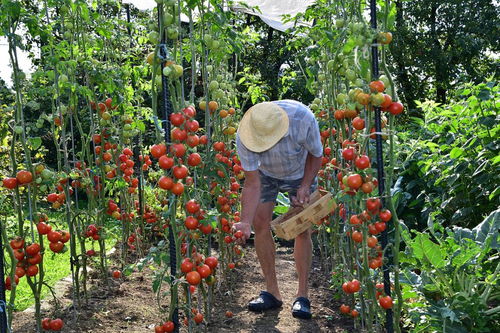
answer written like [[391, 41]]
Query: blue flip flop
[[301, 308], [265, 301]]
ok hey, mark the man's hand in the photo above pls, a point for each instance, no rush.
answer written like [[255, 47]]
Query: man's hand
[[302, 197], [246, 229]]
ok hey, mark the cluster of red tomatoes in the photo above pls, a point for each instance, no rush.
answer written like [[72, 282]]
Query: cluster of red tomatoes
[[167, 327], [52, 324], [57, 239], [184, 133], [92, 232], [23, 177], [27, 260]]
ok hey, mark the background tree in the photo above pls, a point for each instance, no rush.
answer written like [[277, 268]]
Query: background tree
[[439, 43]]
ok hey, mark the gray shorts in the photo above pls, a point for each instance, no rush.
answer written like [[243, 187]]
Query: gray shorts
[[270, 187]]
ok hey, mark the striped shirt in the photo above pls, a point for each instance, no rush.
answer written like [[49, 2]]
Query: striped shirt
[[286, 159]]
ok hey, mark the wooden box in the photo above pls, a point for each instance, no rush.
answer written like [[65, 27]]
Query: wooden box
[[298, 219]]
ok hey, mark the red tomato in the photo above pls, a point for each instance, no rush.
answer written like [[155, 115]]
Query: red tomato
[[345, 309], [385, 215], [192, 125], [206, 229], [396, 108], [179, 134], [177, 188], [380, 226], [387, 102], [158, 150], [10, 182], [193, 140], [65, 236], [186, 266], [33, 249], [212, 262], [348, 154], [354, 313], [357, 236], [56, 246], [219, 146], [354, 181], [362, 162], [54, 236], [176, 119], [191, 222], [203, 140], [373, 204], [385, 302], [165, 162], [32, 270], [24, 177], [198, 318], [17, 243], [377, 86], [193, 278], [117, 274], [194, 159], [20, 272], [192, 206], [178, 149], [46, 323], [180, 171], [353, 286], [168, 326], [358, 123], [372, 241], [204, 271], [165, 183], [56, 324], [36, 259]]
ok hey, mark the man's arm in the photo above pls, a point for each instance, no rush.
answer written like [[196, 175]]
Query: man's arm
[[250, 198], [313, 164]]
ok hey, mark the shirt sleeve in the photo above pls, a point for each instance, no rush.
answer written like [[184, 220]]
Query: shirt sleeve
[[249, 160], [312, 143]]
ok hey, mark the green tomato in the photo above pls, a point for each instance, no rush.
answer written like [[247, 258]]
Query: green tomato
[[214, 85], [350, 75], [167, 71], [341, 98], [46, 174], [153, 37], [172, 33], [18, 129], [63, 78], [331, 65], [215, 45], [177, 71], [168, 19], [377, 99], [386, 81], [340, 23]]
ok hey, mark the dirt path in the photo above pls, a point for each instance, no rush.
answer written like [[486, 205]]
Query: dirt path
[[129, 305]]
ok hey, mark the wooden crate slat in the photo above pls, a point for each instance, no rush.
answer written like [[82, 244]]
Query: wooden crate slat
[[297, 220]]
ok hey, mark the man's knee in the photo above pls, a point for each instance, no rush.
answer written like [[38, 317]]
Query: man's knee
[[304, 236], [263, 217]]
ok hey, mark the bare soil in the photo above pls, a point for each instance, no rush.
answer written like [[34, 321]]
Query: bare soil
[[129, 304]]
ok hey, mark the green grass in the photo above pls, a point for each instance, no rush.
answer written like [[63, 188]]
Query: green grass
[[56, 266]]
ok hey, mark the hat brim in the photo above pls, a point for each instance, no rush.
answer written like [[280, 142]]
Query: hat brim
[[259, 143]]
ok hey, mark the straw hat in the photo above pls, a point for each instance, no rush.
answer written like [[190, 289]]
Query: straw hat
[[262, 126]]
